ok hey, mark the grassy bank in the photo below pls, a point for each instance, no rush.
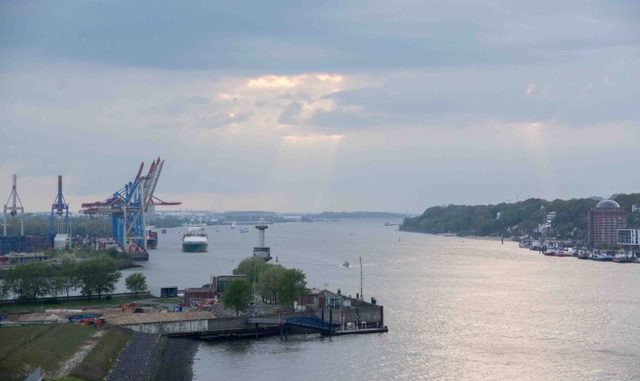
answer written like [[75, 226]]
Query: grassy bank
[[101, 359], [25, 348]]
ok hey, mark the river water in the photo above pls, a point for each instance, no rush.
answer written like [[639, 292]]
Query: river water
[[456, 308]]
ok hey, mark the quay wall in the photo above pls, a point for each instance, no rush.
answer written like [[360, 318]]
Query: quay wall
[[372, 315], [188, 326]]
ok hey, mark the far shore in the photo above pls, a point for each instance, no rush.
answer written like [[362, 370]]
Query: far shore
[[474, 237]]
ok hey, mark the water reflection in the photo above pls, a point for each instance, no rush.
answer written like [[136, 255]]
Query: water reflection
[[456, 309]]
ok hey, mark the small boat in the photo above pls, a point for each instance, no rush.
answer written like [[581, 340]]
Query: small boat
[[624, 258], [583, 254], [233, 225], [244, 230], [164, 231], [346, 264], [598, 256]]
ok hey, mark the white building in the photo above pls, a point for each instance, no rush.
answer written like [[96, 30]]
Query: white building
[[629, 237]]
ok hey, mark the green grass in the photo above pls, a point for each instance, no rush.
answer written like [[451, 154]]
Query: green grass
[[13, 337], [46, 350], [64, 304], [104, 355]]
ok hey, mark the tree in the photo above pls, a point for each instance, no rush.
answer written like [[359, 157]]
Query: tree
[[30, 281], [237, 295], [136, 282], [268, 283], [291, 285], [98, 276], [67, 276], [251, 268]]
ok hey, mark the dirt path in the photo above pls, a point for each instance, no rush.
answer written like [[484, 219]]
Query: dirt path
[[77, 358]]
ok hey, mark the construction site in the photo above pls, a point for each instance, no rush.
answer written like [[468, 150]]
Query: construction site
[[127, 208]]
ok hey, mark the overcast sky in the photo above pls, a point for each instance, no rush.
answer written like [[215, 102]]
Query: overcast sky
[[324, 105]]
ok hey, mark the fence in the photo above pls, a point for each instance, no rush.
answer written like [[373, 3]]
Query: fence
[[52, 300]]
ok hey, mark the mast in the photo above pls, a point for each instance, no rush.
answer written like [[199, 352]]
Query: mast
[[361, 296]]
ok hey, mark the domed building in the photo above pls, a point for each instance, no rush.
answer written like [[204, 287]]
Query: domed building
[[604, 221], [608, 204]]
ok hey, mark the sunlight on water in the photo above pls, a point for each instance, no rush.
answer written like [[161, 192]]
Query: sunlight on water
[[456, 308]]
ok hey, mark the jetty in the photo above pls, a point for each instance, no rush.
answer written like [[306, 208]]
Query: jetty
[[325, 313]]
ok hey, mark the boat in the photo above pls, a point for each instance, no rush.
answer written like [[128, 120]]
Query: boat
[[624, 258], [195, 240], [536, 246], [244, 230], [152, 240], [524, 244], [599, 256], [164, 231], [346, 264]]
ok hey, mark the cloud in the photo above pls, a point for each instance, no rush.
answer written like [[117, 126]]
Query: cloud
[[530, 88], [328, 106], [335, 36]]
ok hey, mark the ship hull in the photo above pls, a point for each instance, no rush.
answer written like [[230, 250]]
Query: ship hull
[[194, 247]]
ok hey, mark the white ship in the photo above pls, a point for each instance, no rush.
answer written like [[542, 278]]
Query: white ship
[[195, 239]]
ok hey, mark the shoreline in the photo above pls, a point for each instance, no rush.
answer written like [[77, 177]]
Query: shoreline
[[474, 237], [155, 357]]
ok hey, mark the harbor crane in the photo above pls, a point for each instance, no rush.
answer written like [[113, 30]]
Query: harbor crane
[[59, 220], [129, 206], [13, 206]]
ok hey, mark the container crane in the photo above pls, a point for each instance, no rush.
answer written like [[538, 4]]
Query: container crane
[[128, 207], [13, 206], [59, 220]]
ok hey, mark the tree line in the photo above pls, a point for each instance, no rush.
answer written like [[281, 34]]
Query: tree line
[[515, 219], [92, 277], [274, 284]]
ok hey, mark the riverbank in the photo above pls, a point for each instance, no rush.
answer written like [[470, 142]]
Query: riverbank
[[85, 353], [154, 357], [451, 235]]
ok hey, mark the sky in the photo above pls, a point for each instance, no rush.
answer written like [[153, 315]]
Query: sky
[[298, 106]]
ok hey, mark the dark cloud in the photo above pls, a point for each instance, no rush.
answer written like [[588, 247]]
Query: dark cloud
[[288, 36]]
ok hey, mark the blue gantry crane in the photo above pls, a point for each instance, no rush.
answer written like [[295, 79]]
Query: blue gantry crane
[[129, 206]]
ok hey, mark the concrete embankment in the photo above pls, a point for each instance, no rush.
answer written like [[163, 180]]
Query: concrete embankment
[[153, 357]]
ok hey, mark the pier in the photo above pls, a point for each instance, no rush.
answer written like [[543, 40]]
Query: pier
[[201, 328]]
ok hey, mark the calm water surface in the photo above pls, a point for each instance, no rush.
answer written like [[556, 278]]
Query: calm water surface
[[456, 308]]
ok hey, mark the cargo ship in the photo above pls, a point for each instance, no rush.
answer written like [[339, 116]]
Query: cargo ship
[[195, 240], [152, 240]]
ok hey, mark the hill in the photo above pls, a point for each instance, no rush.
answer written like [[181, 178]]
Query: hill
[[515, 219]]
